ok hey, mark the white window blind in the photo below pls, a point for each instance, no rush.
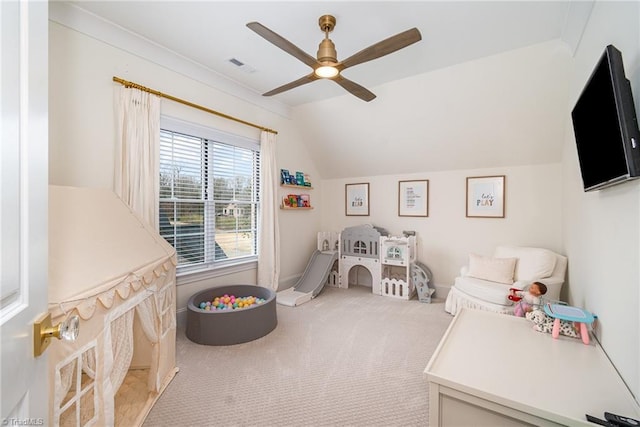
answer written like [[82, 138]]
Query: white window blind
[[208, 197]]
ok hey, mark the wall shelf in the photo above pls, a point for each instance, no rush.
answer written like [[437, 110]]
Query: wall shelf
[[300, 192], [296, 186]]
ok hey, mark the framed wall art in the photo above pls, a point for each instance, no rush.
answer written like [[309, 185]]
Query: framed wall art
[[356, 199], [413, 198], [485, 196]]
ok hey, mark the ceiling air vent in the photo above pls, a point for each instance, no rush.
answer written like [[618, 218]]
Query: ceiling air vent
[[241, 65]]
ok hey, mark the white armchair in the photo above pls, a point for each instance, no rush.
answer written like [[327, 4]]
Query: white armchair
[[486, 282]]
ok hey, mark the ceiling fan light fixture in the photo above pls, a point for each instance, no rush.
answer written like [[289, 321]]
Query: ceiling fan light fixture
[[326, 71]]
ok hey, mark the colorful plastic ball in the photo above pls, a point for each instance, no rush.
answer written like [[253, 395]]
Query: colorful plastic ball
[[230, 302]]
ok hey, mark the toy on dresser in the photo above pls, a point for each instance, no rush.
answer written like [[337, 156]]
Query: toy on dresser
[[527, 301], [561, 312], [544, 323]]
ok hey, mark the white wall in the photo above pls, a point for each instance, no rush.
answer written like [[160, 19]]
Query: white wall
[[82, 118], [602, 229], [82, 136], [504, 112], [498, 111], [446, 237]]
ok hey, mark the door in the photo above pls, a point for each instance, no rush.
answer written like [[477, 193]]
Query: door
[[23, 209]]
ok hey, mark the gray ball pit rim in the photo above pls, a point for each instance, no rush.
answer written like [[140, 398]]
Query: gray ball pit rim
[[228, 327]]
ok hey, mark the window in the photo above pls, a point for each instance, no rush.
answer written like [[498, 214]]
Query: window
[[360, 247], [394, 252], [208, 195]]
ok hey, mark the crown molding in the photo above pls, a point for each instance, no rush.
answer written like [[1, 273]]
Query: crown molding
[[87, 23]]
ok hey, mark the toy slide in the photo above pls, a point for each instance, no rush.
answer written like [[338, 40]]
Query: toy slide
[[312, 280]]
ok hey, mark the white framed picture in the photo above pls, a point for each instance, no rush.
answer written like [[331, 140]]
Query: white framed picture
[[413, 198], [485, 196], [356, 199]]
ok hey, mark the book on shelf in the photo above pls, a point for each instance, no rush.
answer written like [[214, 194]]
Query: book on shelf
[[296, 201], [284, 176]]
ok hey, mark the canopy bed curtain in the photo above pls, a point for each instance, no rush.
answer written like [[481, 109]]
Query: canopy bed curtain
[[268, 230], [136, 178]]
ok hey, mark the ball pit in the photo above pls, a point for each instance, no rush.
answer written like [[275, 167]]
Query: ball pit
[[249, 315]]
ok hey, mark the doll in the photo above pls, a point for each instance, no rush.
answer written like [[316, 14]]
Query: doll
[[530, 299]]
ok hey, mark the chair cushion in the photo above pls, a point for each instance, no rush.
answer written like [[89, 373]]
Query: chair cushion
[[484, 290], [499, 270], [533, 263]]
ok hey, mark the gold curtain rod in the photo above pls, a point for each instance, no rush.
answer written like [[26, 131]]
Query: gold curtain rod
[[126, 83]]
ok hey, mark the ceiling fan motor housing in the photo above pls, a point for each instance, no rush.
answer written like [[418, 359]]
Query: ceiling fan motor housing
[[327, 50]]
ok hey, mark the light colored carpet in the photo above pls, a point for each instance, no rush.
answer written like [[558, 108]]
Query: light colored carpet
[[346, 358]]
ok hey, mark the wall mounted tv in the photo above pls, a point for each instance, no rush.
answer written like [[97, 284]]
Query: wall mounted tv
[[605, 126]]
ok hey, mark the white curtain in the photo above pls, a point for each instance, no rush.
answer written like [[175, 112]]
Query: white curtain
[[269, 233], [121, 348], [137, 159], [89, 362], [148, 316]]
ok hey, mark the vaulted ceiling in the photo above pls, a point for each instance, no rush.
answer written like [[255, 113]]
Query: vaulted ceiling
[[415, 124], [210, 33]]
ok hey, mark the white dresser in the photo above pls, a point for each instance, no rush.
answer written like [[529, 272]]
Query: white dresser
[[495, 370]]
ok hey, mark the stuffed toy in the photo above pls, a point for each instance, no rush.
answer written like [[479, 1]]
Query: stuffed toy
[[544, 323]]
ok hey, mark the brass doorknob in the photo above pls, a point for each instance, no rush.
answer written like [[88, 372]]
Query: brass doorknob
[[43, 330]]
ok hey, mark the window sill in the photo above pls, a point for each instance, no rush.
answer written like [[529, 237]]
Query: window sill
[[191, 276]]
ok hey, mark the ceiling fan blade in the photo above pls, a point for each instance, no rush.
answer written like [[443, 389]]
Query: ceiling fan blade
[[355, 88], [383, 48], [283, 44], [301, 81]]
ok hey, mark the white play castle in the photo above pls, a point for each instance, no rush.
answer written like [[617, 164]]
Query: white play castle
[[369, 256]]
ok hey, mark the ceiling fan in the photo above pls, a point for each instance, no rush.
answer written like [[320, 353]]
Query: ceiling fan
[[327, 66]]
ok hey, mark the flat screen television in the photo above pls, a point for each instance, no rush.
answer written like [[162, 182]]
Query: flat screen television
[[606, 127]]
